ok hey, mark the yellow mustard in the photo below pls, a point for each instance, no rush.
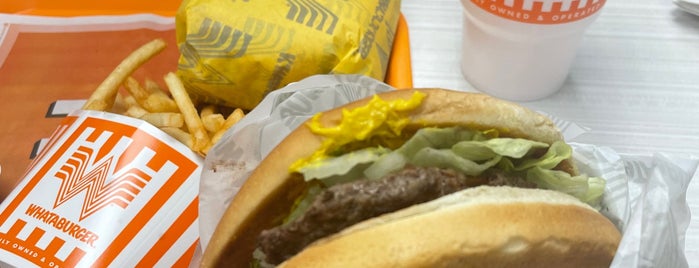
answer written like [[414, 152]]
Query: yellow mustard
[[378, 118]]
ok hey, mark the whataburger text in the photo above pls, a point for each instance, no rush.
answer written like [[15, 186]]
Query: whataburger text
[[62, 224]]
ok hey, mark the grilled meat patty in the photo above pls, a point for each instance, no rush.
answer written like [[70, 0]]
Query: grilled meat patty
[[343, 205]]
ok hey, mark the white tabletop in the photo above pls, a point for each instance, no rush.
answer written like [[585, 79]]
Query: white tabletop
[[634, 82]]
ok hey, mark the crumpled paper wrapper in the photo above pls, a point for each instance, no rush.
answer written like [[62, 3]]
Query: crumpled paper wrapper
[[691, 6], [644, 197], [235, 52]]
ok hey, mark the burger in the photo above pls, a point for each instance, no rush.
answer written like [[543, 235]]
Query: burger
[[418, 178]]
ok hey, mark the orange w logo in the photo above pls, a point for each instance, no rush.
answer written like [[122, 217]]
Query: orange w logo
[[78, 175]]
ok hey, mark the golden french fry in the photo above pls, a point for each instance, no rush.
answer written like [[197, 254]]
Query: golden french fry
[[164, 119], [207, 110], [135, 89], [179, 135], [159, 99], [212, 122], [135, 111], [160, 104], [102, 99], [120, 106], [217, 136], [154, 102], [189, 112], [206, 149], [130, 101], [153, 87], [233, 118]]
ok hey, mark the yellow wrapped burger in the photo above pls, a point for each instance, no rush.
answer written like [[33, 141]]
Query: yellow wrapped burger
[[234, 52]]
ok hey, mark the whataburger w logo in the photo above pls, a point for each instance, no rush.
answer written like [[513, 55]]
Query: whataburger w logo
[[83, 172], [111, 164], [541, 11]]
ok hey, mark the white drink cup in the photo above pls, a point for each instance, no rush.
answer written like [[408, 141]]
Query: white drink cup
[[522, 50]]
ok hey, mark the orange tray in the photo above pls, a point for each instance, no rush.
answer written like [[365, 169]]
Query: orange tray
[[86, 7], [399, 73]]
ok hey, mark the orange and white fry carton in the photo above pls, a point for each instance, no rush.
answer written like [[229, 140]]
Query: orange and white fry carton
[[106, 190]]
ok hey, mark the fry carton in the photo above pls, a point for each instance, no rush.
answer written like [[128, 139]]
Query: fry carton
[[106, 190], [235, 52]]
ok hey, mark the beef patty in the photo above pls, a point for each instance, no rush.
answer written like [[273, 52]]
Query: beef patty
[[343, 205]]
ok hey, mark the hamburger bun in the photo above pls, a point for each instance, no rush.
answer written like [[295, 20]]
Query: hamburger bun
[[483, 226], [271, 190]]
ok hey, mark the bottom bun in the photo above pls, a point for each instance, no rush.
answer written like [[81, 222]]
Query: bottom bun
[[478, 227]]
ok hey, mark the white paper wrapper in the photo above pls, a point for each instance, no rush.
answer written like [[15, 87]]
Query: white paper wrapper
[[691, 6], [645, 195]]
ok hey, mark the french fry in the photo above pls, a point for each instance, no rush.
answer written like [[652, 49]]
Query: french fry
[[102, 99], [160, 100], [233, 118], [206, 149], [153, 87], [120, 106], [207, 110], [191, 118], [129, 101], [164, 119], [153, 101], [179, 135], [160, 104], [135, 111], [135, 89], [212, 122]]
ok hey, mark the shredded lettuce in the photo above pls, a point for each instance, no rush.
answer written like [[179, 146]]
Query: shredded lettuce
[[587, 189], [515, 148], [446, 158], [434, 138], [386, 164], [470, 152], [303, 203], [558, 152], [333, 166]]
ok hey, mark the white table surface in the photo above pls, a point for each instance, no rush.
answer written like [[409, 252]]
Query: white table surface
[[634, 82]]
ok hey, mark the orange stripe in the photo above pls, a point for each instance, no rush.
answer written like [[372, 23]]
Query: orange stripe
[[184, 221], [55, 245], [75, 256], [186, 258], [35, 236], [16, 228]]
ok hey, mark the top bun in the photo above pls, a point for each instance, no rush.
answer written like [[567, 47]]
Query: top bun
[[271, 190]]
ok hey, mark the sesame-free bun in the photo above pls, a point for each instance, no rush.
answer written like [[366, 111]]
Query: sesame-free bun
[[270, 191], [485, 226]]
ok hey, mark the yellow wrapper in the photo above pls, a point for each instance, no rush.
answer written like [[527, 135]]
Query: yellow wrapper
[[235, 52]]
